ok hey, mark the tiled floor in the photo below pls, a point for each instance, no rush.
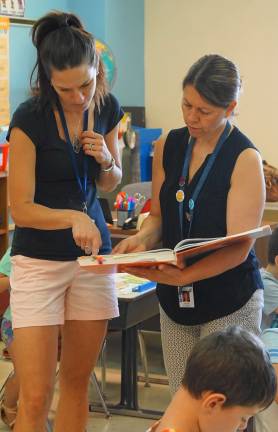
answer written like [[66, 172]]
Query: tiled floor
[[155, 397]]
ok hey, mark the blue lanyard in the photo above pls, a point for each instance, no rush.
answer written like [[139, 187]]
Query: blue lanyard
[[82, 186], [203, 178]]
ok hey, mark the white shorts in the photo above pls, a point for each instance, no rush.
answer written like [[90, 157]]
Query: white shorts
[[45, 292]]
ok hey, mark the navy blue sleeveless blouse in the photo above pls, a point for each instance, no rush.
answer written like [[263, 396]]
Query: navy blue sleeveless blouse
[[55, 183], [221, 295]]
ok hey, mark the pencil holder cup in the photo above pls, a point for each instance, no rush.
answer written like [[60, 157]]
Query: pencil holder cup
[[122, 216]]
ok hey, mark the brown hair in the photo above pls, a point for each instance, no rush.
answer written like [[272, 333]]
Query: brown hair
[[216, 78], [62, 42], [233, 362]]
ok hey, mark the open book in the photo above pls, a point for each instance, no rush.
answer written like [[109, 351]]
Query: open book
[[185, 249]]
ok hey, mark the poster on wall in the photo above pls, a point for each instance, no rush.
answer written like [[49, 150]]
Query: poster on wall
[[4, 72], [13, 8]]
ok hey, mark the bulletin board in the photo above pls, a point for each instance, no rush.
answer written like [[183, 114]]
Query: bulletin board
[[4, 72], [12, 7]]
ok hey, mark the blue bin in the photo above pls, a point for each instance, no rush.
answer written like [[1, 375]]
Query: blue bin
[[3, 135], [146, 137]]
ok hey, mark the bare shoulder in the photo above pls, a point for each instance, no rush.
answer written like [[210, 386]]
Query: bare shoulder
[[159, 143], [20, 138], [248, 163], [249, 156]]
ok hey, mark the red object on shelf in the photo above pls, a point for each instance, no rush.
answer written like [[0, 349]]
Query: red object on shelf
[[147, 206], [4, 152]]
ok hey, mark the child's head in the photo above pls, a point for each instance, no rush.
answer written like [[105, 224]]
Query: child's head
[[231, 376], [273, 248]]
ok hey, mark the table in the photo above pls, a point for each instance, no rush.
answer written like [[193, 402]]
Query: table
[[134, 309], [116, 231]]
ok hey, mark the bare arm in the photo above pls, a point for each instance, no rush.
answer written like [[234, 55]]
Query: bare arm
[[103, 149], [150, 231], [244, 212], [109, 180], [4, 283], [25, 212], [276, 370]]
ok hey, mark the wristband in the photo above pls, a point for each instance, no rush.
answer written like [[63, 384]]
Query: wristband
[[111, 166]]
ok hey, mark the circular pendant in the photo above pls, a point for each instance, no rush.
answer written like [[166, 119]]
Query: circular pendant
[[191, 204], [180, 196]]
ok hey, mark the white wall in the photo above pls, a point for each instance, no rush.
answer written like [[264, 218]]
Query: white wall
[[178, 32]]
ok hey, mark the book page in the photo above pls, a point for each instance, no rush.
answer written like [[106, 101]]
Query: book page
[[195, 242], [188, 251], [158, 255], [192, 242]]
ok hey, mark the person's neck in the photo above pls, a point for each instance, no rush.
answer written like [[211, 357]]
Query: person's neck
[[273, 269], [210, 141], [78, 111], [182, 413]]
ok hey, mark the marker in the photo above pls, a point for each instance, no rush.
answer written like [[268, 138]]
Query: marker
[[98, 258], [144, 286]]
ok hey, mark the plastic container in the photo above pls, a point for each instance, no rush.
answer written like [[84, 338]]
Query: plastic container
[[4, 152], [146, 137], [123, 215]]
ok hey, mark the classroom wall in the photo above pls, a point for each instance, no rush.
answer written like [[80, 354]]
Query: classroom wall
[[179, 32], [125, 35], [119, 23], [92, 14], [22, 52]]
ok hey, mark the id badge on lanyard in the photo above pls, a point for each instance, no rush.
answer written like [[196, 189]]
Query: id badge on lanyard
[[186, 296], [186, 293]]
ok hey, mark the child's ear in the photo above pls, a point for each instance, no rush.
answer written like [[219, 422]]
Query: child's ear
[[276, 260], [213, 401]]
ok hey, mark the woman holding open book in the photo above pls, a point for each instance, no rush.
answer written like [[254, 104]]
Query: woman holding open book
[[207, 182]]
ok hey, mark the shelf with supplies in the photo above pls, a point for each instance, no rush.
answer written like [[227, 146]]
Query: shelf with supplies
[[4, 229], [271, 211]]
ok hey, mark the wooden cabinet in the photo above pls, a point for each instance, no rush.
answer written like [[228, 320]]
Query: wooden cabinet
[[4, 226]]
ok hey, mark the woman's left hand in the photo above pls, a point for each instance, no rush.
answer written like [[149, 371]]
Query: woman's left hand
[[94, 145], [165, 274]]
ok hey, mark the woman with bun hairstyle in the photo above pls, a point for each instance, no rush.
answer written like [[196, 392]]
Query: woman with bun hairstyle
[[207, 182], [63, 146]]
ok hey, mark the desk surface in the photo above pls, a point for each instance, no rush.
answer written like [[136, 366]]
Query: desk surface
[[115, 230], [125, 283], [135, 307]]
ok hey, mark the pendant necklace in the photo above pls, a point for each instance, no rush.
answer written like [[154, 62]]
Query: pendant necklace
[[75, 142]]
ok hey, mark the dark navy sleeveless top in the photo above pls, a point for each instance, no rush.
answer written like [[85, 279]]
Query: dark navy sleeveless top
[[56, 186], [221, 295]]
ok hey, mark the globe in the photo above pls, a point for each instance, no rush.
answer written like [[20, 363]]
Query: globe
[[109, 61]]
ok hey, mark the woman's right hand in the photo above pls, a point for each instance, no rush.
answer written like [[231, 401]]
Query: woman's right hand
[[85, 233], [131, 244]]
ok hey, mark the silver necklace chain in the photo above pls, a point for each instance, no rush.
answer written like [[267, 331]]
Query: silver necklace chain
[[75, 141]]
